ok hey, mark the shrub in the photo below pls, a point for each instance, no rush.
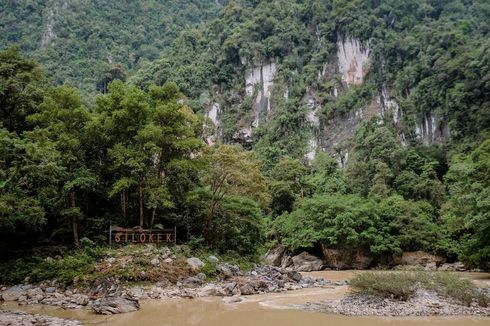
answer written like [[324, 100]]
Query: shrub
[[403, 285]]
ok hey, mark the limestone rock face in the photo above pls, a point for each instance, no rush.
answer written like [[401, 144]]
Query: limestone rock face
[[260, 79], [304, 262], [344, 259], [419, 258], [353, 60]]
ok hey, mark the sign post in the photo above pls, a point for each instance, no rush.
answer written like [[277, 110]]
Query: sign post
[[120, 235]]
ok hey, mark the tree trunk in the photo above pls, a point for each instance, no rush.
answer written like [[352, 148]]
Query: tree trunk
[[74, 222], [122, 196], [153, 213], [140, 188]]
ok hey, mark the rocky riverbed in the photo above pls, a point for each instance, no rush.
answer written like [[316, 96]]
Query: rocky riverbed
[[18, 318], [424, 303], [112, 298]]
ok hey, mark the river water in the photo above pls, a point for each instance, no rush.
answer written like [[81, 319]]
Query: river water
[[257, 310]]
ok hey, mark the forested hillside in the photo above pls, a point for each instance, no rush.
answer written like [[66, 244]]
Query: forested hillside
[[88, 43], [321, 125]]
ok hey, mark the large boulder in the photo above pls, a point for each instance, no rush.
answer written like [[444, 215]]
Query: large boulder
[[346, 259], [419, 258], [14, 293], [275, 255], [195, 263], [304, 262], [115, 305]]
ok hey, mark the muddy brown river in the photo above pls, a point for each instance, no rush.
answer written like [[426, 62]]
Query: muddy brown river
[[257, 310]]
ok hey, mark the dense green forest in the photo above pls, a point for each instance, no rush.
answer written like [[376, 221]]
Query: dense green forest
[[88, 43], [73, 162]]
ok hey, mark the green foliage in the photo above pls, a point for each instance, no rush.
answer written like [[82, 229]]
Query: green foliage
[[89, 43], [467, 209], [402, 285]]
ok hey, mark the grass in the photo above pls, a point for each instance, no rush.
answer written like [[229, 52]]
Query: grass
[[130, 264], [403, 285]]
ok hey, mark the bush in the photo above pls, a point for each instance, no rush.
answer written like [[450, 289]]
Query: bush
[[403, 285]]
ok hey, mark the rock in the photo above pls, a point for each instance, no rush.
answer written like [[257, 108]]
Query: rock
[[295, 276], [304, 262], [195, 263], [431, 267], [192, 282], [286, 261], [80, 299], [166, 253], [246, 289], [13, 293], [274, 256], [455, 267], [137, 293], [213, 259], [234, 299], [34, 293], [11, 318], [418, 258], [168, 260], [226, 271], [155, 262], [201, 276], [50, 289], [346, 259], [115, 305], [207, 291]]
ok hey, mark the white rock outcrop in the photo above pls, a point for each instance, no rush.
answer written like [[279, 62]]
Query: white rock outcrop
[[353, 60], [260, 79]]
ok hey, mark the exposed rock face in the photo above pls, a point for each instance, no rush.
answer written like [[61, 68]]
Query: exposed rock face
[[115, 305], [431, 130], [275, 255], [353, 60], [212, 131], [455, 267], [260, 79], [418, 258], [304, 262], [336, 131], [344, 259]]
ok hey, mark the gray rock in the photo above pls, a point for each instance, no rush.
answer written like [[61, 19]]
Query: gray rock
[[195, 263], [22, 318], [304, 262], [13, 293], [246, 289], [208, 290], [115, 305], [192, 282], [50, 289], [213, 259], [226, 271], [166, 253], [234, 299], [274, 255], [155, 262]]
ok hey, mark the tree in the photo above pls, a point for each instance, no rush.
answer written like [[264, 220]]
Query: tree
[[467, 211], [231, 171], [61, 118], [21, 89]]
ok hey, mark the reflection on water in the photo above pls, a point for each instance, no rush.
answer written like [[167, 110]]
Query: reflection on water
[[256, 310]]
